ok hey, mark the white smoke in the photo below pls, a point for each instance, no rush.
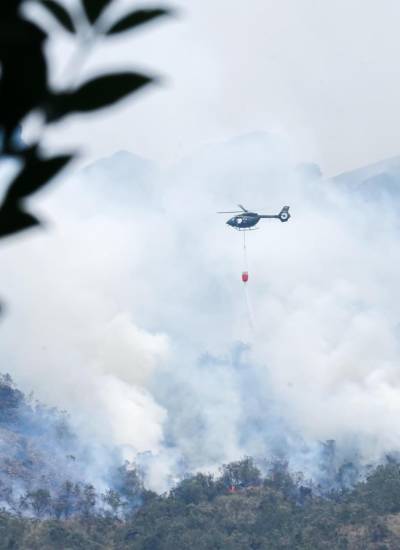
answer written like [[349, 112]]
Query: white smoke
[[129, 311]]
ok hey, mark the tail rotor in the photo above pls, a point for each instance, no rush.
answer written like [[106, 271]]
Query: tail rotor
[[284, 214]]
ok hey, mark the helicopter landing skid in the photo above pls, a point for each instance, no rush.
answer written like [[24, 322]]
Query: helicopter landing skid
[[247, 228]]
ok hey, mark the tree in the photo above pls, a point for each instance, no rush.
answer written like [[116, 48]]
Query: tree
[[113, 500], [65, 502], [88, 500], [242, 473], [39, 501], [11, 400], [127, 482], [195, 489], [381, 491]]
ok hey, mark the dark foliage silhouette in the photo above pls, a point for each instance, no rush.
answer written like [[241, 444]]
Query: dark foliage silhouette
[[25, 89]]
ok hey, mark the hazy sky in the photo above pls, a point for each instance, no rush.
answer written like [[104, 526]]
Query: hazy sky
[[325, 73]]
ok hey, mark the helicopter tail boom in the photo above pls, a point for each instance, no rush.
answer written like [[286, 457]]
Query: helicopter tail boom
[[283, 215]]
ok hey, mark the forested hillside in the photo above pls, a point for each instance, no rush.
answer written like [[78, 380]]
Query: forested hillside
[[47, 503], [204, 513]]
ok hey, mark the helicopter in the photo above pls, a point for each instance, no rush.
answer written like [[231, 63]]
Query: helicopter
[[246, 220]]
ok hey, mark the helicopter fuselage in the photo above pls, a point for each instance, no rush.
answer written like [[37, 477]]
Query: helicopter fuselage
[[244, 221]]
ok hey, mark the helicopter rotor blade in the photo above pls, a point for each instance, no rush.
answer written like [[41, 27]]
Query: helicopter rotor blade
[[230, 212], [243, 208]]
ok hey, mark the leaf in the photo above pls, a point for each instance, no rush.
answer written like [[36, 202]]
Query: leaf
[[9, 9], [94, 8], [35, 174], [13, 219], [136, 18], [96, 94], [60, 14], [23, 83]]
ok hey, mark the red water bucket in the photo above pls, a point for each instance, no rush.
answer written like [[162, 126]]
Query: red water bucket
[[245, 276]]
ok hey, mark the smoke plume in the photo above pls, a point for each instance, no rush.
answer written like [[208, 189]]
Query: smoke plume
[[130, 312]]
